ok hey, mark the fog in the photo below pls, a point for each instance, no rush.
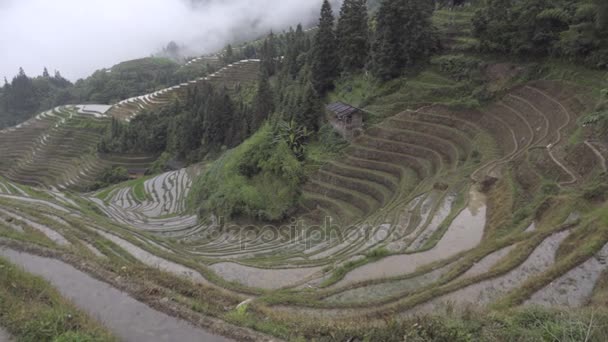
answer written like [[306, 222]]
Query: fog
[[78, 37]]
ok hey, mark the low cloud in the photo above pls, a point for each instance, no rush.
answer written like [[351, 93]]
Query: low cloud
[[78, 37]]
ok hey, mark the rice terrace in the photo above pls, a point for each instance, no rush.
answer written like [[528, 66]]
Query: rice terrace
[[397, 170]]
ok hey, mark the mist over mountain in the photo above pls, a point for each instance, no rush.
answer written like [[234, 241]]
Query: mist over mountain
[[78, 37]]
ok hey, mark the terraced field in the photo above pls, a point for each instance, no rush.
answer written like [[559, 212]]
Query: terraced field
[[408, 189], [238, 74], [58, 148], [432, 208]]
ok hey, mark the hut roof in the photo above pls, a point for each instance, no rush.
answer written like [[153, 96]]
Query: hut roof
[[341, 109]]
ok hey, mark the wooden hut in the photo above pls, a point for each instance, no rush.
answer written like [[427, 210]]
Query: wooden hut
[[345, 119]]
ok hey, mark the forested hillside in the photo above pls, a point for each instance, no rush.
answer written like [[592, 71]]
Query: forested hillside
[[24, 97], [573, 30]]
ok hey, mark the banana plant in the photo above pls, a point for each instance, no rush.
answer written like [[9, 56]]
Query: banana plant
[[294, 136]]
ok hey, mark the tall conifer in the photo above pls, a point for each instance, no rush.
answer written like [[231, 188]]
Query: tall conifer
[[353, 35], [403, 38], [324, 55]]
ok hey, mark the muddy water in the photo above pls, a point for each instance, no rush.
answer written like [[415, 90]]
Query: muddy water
[[154, 261], [4, 336], [379, 291], [486, 263], [48, 232], [35, 201], [125, 317], [440, 215], [263, 278], [464, 233], [574, 287], [485, 292]]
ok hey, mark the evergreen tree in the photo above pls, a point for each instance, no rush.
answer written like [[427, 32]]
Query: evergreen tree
[[268, 55], [309, 110], [228, 54], [295, 48], [22, 96], [404, 37], [249, 52], [353, 35], [324, 53], [45, 73], [264, 102]]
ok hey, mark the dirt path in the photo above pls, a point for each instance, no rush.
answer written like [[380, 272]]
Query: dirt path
[[598, 154], [572, 175], [559, 136], [127, 318]]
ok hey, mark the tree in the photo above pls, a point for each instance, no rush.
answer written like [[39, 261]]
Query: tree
[[294, 136], [309, 109], [387, 60], [404, 37], [268, 55], [353, 35], [45, 73], [264, 102], [249, 52], [324, 52], [228, 56]]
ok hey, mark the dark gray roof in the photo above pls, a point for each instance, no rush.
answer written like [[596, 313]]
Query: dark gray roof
[[341, 109]]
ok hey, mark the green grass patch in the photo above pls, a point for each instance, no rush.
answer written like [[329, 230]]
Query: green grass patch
[[32, 310]]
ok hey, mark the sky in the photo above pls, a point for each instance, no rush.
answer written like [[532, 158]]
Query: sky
[[78, 37]]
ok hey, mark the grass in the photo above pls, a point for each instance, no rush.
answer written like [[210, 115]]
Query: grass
[[339, 273], [137, 186], [32, 310], [427, 85]]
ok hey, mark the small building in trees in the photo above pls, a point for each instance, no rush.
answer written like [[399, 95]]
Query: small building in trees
[[136, 173], [345, 119]]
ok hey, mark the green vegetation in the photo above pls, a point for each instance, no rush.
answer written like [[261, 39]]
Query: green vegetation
[[324, 53], [404, 37], [576, 30], [352, 34], [23, 97], [204, 122], [260, 179], [32, 310], [110, 176]]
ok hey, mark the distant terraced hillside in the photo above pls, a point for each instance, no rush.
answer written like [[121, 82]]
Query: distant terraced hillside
[[58, 148], [241, 73]]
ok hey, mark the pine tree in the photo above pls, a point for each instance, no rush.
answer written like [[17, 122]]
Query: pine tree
[[228, 54], [295, 47], [324, 53], [403, 37], [268, 55], [45, 73], [310, 109], [353, 35], [264, 102]]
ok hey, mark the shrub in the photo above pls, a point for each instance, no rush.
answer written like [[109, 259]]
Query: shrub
[[460, 67], [112, 175], [260, 179]]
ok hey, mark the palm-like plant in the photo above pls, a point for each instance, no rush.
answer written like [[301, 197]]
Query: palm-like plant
[[294, 136]]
